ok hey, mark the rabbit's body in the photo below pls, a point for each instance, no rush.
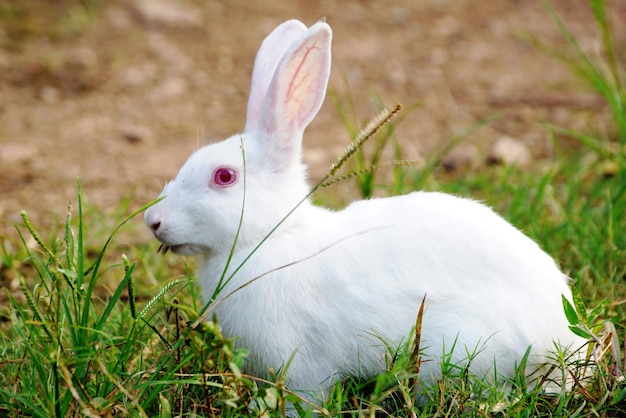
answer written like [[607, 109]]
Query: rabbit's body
[[346, 294], [330, 288]]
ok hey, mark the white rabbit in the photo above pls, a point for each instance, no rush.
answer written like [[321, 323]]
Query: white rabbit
[[354, 278]]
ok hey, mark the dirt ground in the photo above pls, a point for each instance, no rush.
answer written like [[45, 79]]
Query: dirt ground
[[121, 97]]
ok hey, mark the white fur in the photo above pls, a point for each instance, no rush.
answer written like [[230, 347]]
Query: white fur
[[360, 273]]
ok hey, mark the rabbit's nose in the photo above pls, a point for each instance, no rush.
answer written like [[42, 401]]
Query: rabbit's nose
[[155, 225], [153, 220]]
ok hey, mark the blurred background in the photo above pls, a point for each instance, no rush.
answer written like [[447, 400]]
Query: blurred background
[[120, 92]]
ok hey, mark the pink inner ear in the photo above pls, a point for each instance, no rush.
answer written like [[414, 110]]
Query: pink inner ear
[[299, 86], [270, 53], [304, 90], [294, 96]]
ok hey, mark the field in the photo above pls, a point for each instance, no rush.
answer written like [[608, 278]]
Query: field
[[524, 112]]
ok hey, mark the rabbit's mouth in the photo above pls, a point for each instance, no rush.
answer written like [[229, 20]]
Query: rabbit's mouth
[[182, 249], [163, 249]]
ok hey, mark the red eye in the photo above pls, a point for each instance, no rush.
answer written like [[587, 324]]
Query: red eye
[[224, 177]]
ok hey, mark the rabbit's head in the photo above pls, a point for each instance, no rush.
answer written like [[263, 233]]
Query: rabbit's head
[[258, 173]]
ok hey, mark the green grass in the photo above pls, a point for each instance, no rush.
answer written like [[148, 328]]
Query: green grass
[[21, 20], [99, 328]]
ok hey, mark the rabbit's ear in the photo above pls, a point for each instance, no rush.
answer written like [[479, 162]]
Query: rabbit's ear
[[272, 50], [295, 95]]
